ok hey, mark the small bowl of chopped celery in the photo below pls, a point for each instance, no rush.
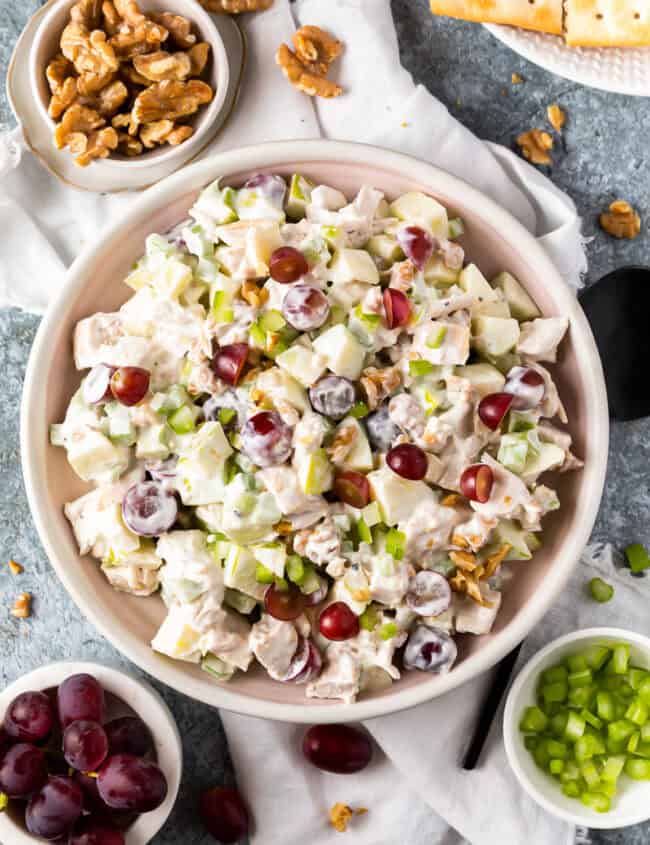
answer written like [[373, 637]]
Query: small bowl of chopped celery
[[577, 727]]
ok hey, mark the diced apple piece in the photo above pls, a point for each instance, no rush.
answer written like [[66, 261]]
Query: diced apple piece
[[278, 384], [495, 336], [397, 497], [353, 265], [498, 308], [273, 556], [239, 572], [342, 351], [154, 442], [548, 457], [315, 474], [507, 531], [93, 457], [443, 343], [422, 210], [299, 196], [474, 282], [303, 364], [522, 306], [176, 637], [436, 272], [386, 248], [359, 458], [484, 378]]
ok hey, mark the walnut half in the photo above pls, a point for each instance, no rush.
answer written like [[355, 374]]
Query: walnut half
[[621, 221], [170, 100], [236, 7], [535, 145]]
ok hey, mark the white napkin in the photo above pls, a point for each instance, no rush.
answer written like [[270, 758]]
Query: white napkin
[[414, 790]]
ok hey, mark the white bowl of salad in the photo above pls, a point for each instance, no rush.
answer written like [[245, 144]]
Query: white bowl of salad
[[324, 432]]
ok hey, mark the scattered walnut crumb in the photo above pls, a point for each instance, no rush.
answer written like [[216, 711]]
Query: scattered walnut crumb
[[15, 568], [621, 221], [516, 79], [22, 606], [535, 145], [405, 124], [360, 811], [340, 815], [556, 117]]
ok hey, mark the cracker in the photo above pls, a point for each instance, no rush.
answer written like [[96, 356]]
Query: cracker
[[542, 15], [608, 23]]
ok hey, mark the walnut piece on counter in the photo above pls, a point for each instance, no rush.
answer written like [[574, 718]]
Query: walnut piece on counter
[[307, 77], [341, 814], [316, 49], [535, 145], [621, 221], [516, 79], [556, 117], [14, 567], [22, 608], [236, 7]]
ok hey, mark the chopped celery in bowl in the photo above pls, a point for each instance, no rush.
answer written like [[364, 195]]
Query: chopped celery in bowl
[[577, 727]]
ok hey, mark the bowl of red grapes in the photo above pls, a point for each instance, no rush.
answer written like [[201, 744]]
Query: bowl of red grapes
[[88, 756]]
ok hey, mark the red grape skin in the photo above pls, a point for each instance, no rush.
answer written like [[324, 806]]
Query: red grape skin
[[305, 308], [149, 508], [89, 831], [126, 782], [85, 745], [23, 770], [408, 461], [287, 265], [224, 814], [29, 717], [476, 483], [129, 385], [80, 697], [493, 408], [353, 488], [397, 308], [53, 810], [332, 396], [229, 361], [340, 749], [338, 622], [417, 244], [97, 384], [527, 387], [284, 604], [128, 735], [266, 439]]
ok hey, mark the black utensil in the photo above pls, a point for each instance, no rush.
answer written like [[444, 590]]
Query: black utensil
[[489, 708], [618, 309]]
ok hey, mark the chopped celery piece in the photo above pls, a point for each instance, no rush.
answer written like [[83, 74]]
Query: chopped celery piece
[[620, 658], [182, 420], [633, 742], [263, 575], [557, 749], [571, 789], [596, 801], [581, 696], [558, 722], [396, 543], [600, 590], [642, 750], [226, 415], [576, 662], [555, 692], [420, 368], [359, 410], [556, 766], [554, 673], [645, 732], [456, 227], [596, 656], [635, 677], [272, 321], [364, 533], [637, 712], [530, 742], [620, 730], [637, 557], [582, 678], [637, 769], [575, 726], [369, 619], [605, 706], [612, 768], [533, 720], [295, 569], [388, 631], [644, 691], [592, 720], [589, 772], [436, 340], [571, 771]]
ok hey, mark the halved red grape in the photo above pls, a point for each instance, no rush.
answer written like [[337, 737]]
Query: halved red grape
[[129, 385], [149, 508], [272, 186], [332, 396], [428, 594], [23, 770], [430, 650], [85, 745], [89, 831], [313, 666], [29, 717], [128, 735], [266, 439], [80, 697], [285, 604], [224, 814], [397, 308], [382, 431], [476, 483], [228, 362], [53, 810], [408, 461], [416, 243], [527, 387], [352, 488], [340, 749], [299, 661], [97, 384], [132, 783], [287, 265], [305, 308], [338, 622], [493, 408], [312, 599]]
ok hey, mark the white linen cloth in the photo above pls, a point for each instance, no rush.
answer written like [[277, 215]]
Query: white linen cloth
[[415, 790]]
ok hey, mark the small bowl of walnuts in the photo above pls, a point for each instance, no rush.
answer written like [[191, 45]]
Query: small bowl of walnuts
[[127, 82]]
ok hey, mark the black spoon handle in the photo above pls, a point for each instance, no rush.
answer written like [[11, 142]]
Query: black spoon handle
[[489, 708]]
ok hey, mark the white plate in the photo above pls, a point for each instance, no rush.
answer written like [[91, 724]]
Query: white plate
[[621, 70]]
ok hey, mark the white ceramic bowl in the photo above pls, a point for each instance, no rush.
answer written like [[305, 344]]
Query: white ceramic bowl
[[139, 698], [493, 239], [632, 804], [46, 44]]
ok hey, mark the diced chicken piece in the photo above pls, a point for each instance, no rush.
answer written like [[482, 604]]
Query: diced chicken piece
[[136, 573], [274, 644], [428, 529], [320, 544], [543, 500], [92, 335], [309, 432], [452, 253], [388, 580], [225, 634], [456, 300], [473, 618], [474, 533], [509, 493], [186, 556], [442, 342], [282, 481], [407, 414], [552, 404], [237, 331], [341, 676], [550, 434], [540, 338], [324, 197]]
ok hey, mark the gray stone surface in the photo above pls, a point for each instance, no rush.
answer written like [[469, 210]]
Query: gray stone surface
[[605, 143]]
